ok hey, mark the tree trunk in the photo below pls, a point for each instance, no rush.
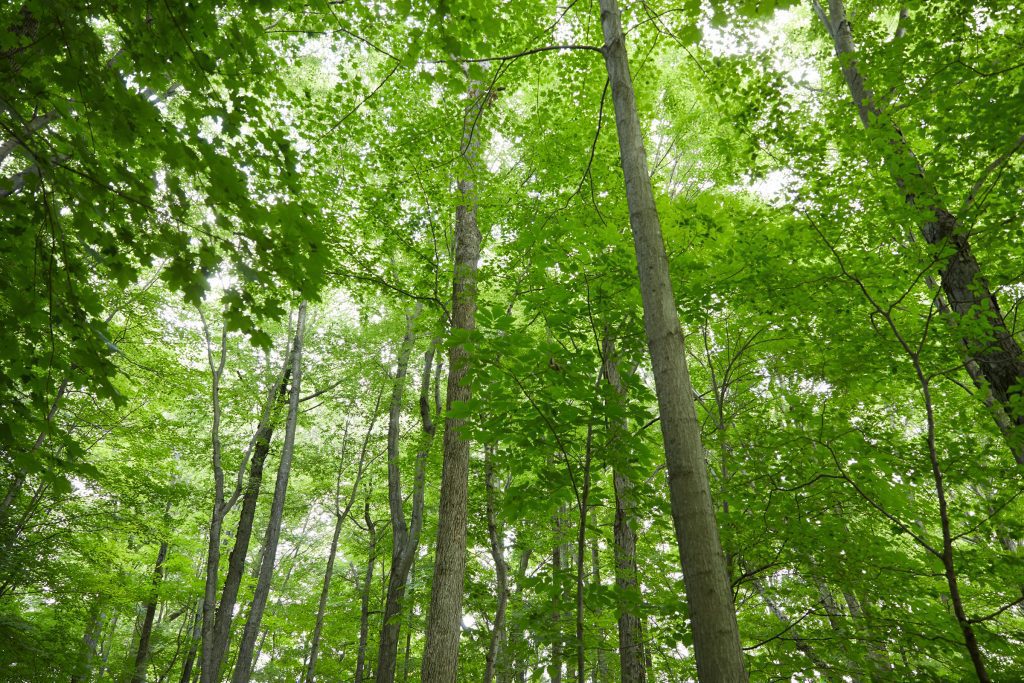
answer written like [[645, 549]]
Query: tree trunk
[[495, 534], [364, 608], [142, 654], [314, 647], [193, 650], [405, 539], [516, 630], [601, 672], [581, 549], [712, 615], [243, 535], [967, 291], [444, 617], [243, 667], [631, 662], [90, 639]]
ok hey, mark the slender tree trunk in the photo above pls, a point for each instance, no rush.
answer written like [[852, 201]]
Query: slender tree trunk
[[193, 650], [408, 624], [495, 534], [556, 611], [405, 538], [243, 667], [601, 672], [967, 291], [90, 639], [516, 662], [631, 663], [207, 670], [581, 549], [444, 617], [364, 607], [713, 618], [314, 647], [142, 654], [276, 396], [105, 647]]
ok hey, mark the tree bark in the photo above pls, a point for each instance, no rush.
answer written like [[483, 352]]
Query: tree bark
[[90, 639], [715, 633], [193, 650], [967, 291], [243, 667], [444, 617], [495, 535], [405, 538], [314, 647], [243, 535], [364, 608], [631, 663], [142, 654]]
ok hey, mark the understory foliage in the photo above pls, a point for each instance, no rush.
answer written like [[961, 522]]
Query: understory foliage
[[228, 245]]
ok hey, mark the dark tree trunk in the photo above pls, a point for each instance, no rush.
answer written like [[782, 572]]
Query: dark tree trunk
[[364, 606], [243, 535], [968, 294], [142, 654], [243, 667]]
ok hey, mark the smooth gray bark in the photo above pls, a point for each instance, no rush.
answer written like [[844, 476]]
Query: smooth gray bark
[[716, 637], [243, 667], [405, 536]]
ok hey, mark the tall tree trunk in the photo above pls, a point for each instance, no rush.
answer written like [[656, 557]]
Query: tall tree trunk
[[444, 617], [142, 654], [631, 662], [276, 396], [495, 535], [516, 663], [967, 291], [207, 671], [193, 650], [600, 674], [340, 515], [716, 636], [581, 549], [712, 615], [364, 605], [314, 647], [556, 612], [243, 667], [90, 639], [405, 539]]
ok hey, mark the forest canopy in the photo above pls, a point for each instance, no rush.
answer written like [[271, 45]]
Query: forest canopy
[[511, 341]]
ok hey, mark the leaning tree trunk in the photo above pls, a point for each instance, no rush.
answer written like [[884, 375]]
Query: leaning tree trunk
[[193, 650], [967, 291], [142, 654], [713, 618], [243, 535], [444, 617], [243, 666]]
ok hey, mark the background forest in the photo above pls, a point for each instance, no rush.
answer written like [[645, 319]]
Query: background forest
[[324, 354]]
